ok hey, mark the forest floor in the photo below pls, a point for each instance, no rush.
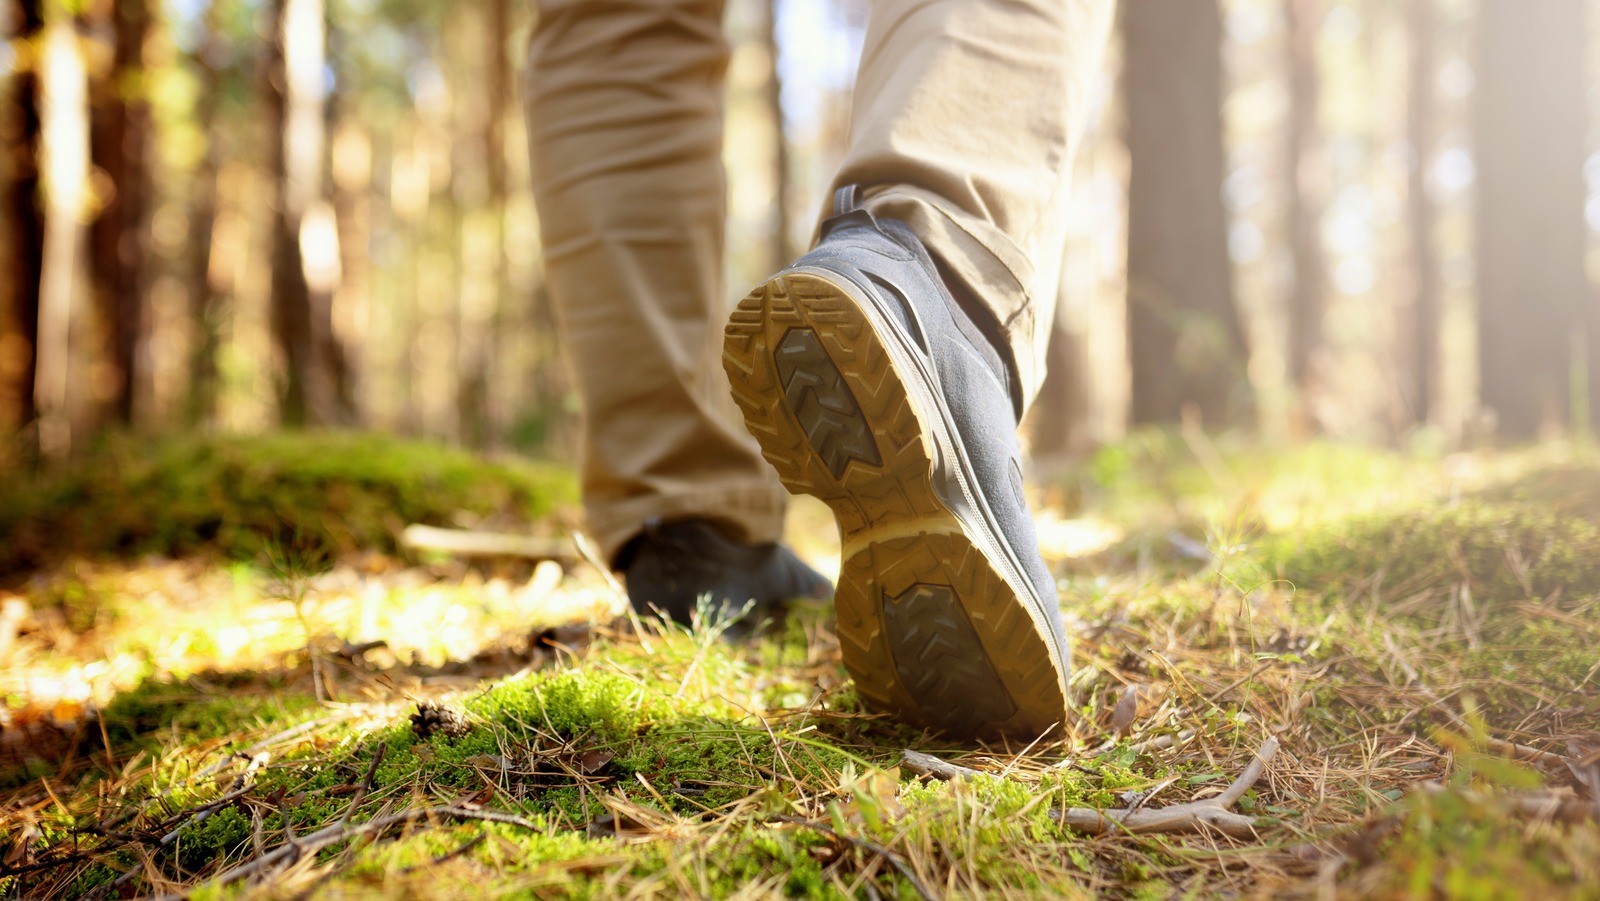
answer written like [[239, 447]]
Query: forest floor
[[1391, 656]]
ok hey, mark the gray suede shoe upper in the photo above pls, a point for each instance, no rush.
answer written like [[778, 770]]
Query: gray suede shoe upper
[[970, 379]]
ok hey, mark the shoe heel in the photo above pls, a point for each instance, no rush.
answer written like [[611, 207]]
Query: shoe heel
[[932, 632], [819, 393], [929, 628]]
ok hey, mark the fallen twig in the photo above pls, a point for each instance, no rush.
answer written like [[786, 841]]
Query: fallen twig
[[361, 791], [1162, 741], [1555, 804], [1196, 816], [486, 544], [922, 764], [1512, 749], [242, 785], [354, 652], [243, 754], [1159, 743]]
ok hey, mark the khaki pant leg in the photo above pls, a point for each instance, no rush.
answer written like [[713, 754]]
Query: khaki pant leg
[[625, 113], [965, 119]]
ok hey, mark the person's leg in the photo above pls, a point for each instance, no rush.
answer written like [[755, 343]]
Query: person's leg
[[965, 119], [625, 107], [625, 114], [889, 383]]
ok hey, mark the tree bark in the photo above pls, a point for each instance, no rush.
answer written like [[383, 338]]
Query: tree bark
[[121, 145], [1421, 214], [205, 293], [24, 234], [1058, 426], [782, 248], [313, 391], [484, 349], [503, 107], [64, 119], [1305, 193], [1533, 292], [1185, 337], [349, 302]]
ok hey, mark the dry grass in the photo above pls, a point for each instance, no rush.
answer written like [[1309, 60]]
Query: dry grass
[[1415, 634]]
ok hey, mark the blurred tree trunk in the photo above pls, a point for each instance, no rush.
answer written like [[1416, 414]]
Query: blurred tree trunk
[[1059, 420], [352, 212], [350, 321], [24, 233], [1531, 234], [782, 251], [503, 100], [541, 420], [314, 389], [205, 290], [1185, 337], [64, 154], [1303, 163], [1421, 215], [121, 144], [481, 420]]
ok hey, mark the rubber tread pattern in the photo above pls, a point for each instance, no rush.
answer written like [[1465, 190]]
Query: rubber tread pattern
[[827, 411], [939, 658], [896, 533]]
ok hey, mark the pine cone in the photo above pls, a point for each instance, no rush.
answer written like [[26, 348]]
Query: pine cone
[[431, 718]]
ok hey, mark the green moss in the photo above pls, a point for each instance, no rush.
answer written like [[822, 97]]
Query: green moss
[[218, 835], [1507, 593], [607, 706], [1500, 553], [1533, 663], [323, 493], [197, 709], [91, 879], [1566, 490], [693, 756]]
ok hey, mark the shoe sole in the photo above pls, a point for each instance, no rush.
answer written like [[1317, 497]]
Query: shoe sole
[[931, 629]]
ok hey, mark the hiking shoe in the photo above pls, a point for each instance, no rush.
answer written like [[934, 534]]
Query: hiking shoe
[[669, 567], [869, 388]]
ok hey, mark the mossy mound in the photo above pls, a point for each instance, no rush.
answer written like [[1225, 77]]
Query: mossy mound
[[1500, 598], [624, 773], [201, 709], [1567, 490], [1501, 553], [322, 494]]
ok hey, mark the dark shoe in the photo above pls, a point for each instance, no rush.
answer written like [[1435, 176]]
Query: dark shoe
[[869, 388], [669, 567]]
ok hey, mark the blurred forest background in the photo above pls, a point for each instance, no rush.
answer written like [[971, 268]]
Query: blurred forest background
[[1370, 219]]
